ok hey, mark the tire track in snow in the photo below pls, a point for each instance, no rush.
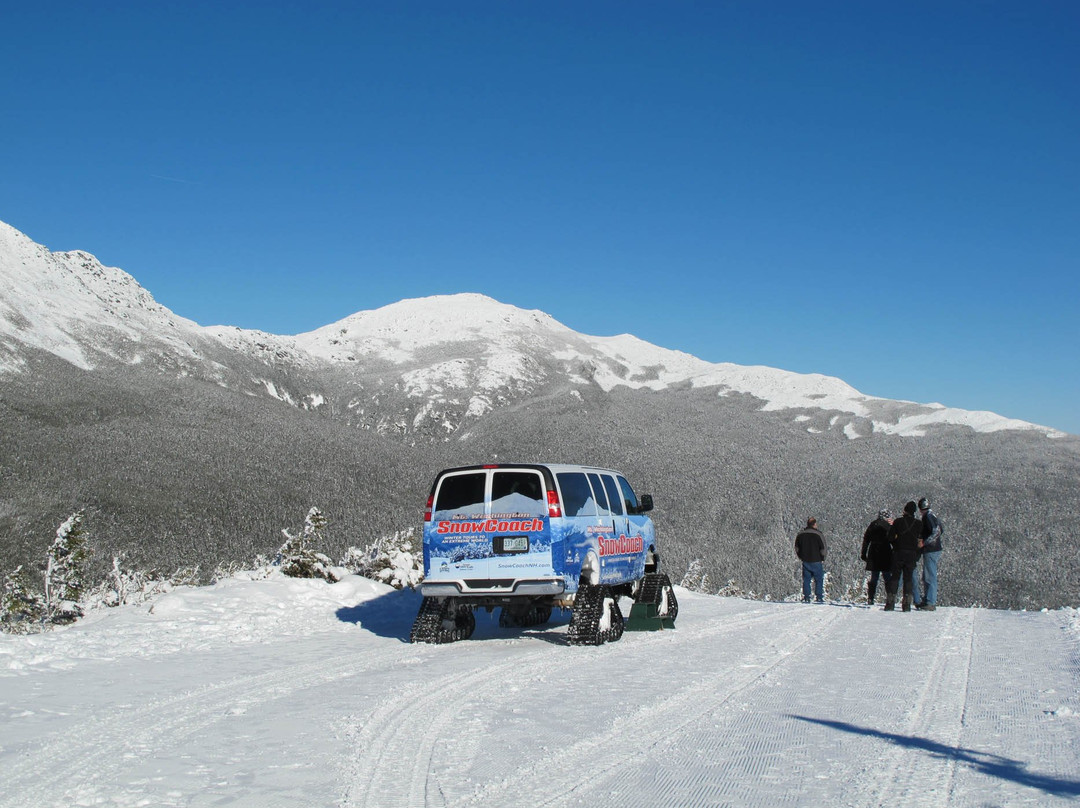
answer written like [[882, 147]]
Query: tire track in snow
[[935, 719], [603, 756], [64, 770], [390, 754]]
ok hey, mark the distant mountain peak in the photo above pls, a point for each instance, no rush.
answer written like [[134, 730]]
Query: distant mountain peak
[[400, 330]]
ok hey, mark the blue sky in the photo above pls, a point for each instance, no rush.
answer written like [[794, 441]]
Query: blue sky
[[887, 192]]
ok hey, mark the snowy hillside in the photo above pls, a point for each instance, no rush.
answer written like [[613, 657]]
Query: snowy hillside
[[438, 362], [288, 692], [69, 304]]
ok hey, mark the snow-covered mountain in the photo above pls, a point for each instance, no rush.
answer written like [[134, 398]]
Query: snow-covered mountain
[[193, 445], [468, 345], [436, 363], [70, 305]]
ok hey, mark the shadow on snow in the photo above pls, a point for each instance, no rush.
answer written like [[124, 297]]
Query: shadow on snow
[[983, 762], [392, 614]]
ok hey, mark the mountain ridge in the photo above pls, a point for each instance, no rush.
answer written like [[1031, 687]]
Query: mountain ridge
[[469, 341]]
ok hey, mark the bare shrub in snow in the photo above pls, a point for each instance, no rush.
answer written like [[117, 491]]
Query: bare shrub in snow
[[298, 559], [124, 585], [393, 560]]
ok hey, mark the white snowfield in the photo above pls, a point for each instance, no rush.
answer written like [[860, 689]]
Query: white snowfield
[[281, 692]]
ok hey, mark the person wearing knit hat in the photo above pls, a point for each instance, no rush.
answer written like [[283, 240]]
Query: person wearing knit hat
[[877, 553]]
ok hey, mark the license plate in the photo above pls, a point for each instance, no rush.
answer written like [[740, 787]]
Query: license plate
[[514, 544]]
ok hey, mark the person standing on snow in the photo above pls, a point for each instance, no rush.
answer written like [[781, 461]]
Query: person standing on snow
[[904, 538], [931, 553], [810, 548], [877, 553]]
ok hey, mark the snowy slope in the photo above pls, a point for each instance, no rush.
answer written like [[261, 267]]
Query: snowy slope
[[283, 692], [477, 343], [69, 304]]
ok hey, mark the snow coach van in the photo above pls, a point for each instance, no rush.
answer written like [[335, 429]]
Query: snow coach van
[[528, 538]]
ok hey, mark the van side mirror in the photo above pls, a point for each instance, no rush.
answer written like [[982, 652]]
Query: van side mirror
[[646, 503]]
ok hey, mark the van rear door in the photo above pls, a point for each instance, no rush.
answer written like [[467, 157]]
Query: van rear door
[[489, 526], [454, 545]]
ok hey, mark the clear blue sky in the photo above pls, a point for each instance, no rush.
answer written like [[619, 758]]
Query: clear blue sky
[[888, 192]]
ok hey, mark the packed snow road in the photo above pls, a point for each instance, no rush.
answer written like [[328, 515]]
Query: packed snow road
[[287, 693]]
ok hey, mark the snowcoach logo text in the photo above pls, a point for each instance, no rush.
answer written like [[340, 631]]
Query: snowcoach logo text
[[624, 545], [492, 526]]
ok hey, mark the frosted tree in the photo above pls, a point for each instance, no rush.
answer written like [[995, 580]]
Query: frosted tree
[[298, 559], [695, 579], [21, 608], [393, 560], [65, 570]]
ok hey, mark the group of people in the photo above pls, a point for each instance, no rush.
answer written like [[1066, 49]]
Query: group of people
[[892, 549]]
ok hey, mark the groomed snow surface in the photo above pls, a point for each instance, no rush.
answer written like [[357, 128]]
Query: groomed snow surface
[[281, 692]]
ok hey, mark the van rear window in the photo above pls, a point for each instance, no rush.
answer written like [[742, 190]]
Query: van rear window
[[518, 492], [462, 492], [576, 494]]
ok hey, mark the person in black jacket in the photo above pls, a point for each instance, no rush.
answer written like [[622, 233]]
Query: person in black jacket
[[877, 553], [905, 536], [810, 548]]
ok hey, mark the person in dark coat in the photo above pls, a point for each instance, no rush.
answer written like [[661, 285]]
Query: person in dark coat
[[810, 548], [877, 553], [905, 535]]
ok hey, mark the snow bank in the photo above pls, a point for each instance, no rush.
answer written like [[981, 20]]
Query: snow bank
[[240, 610]]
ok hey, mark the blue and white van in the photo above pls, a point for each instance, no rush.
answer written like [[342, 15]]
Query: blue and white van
[[530, 537]]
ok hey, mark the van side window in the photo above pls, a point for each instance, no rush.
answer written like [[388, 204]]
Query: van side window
[[599, 494], [576, 494], [629, 496], [518, 492], [613, 495], [462, 492]]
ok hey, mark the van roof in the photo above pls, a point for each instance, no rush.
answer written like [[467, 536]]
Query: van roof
[[554, 468]]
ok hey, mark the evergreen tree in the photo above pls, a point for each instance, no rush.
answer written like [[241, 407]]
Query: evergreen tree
[[393, 560], [65, 570], [298, 559], [21, 608], [696, 579]]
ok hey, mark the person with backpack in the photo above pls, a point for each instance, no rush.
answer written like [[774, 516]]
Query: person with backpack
[[877, 553], [931, 554], [905, 535], [810, 548]]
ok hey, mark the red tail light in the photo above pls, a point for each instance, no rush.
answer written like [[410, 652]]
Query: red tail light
[[427, 511], [554, 508]]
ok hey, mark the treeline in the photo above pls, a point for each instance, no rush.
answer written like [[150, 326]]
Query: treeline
[[64, 589], [185, 473]]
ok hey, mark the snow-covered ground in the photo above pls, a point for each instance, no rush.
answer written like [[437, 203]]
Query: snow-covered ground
[[282, 692]]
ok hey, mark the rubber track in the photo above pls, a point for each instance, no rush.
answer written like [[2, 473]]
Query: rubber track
[[655, 588], [588, 611], [442, 621]]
